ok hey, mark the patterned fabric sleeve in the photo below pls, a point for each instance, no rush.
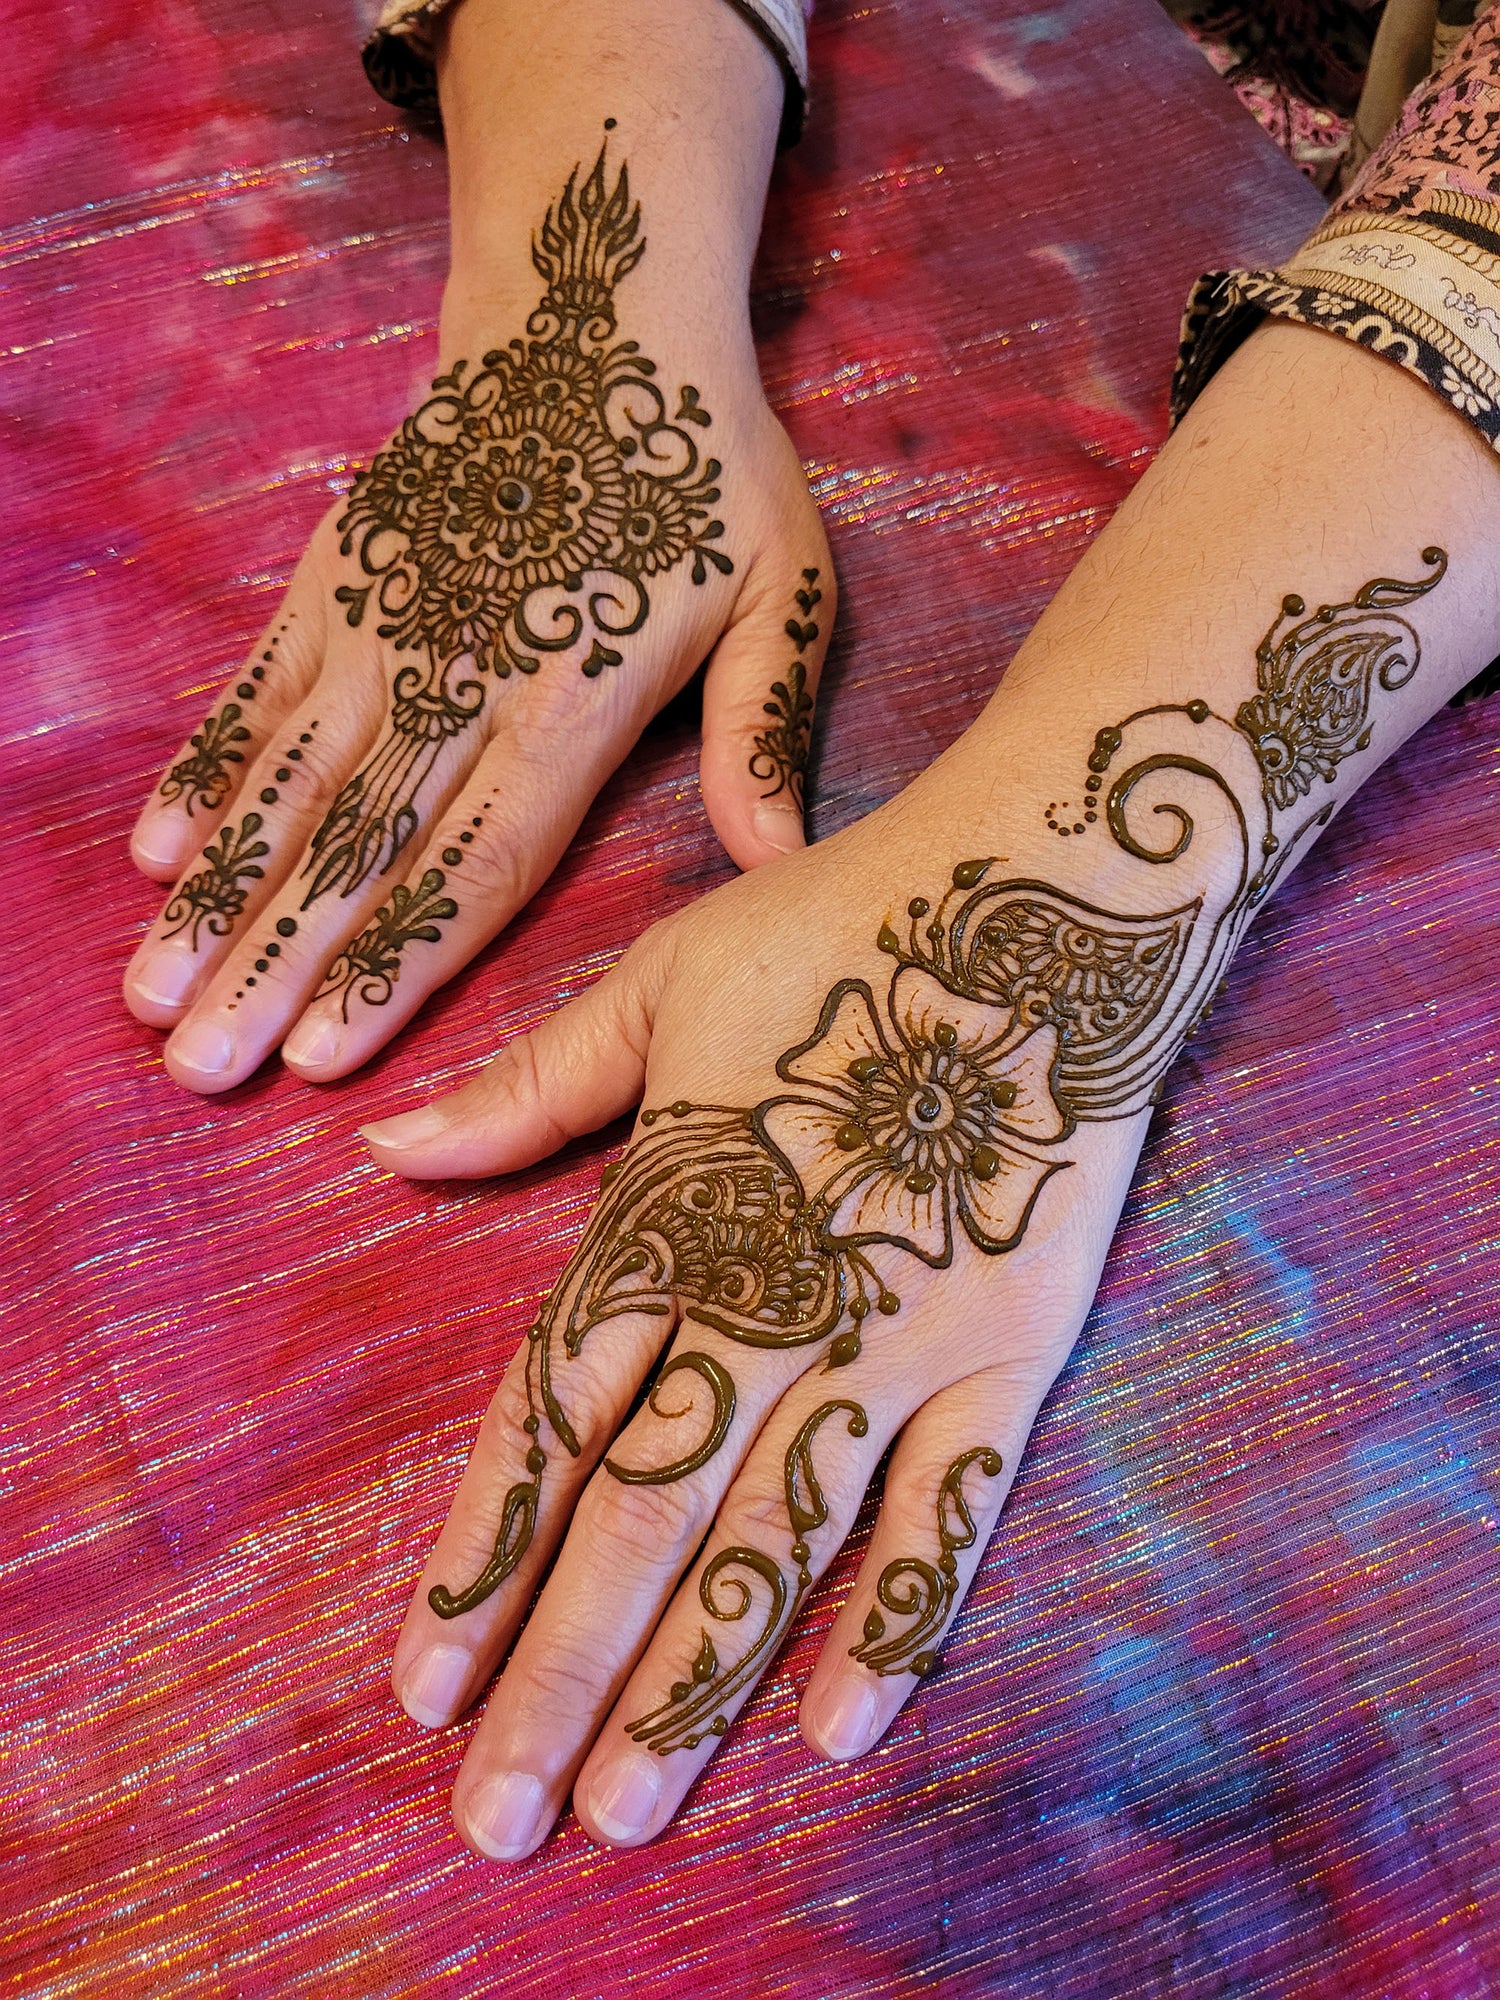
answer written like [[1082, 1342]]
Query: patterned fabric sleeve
[[398, 57], [1407, 261]]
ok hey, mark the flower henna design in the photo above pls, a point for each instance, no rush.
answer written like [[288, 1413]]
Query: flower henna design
[[213, 898], [931, 1117], [550, 473], [780, 755], [204, 776], [913, 1588], [372, 961], [1315, 679], [694, 1708]]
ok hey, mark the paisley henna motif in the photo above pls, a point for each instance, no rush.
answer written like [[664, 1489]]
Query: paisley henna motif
[[933, 1113]]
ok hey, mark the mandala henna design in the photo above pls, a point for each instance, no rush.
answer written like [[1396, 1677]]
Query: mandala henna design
[[204, 777], [780, 756], [213, 898], [1014, 1012], [372, 961], [922, 1591], [551, 472], [721, 1388], [694, 1708]]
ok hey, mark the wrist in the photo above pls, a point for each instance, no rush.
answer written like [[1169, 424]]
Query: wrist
[[681, 94]]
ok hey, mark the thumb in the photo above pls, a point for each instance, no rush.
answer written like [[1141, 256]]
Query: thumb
[[758, 700], [585, 1065]]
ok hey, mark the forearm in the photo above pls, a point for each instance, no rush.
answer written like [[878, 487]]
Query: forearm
[[682, 92], [1307, 470]]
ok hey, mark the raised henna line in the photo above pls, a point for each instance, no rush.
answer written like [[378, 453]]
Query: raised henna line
[[213, 898], [780, 755], [550, 473], [721, 1387], [204, 777], [694, 1708], [913, 1588], [934, 1111]]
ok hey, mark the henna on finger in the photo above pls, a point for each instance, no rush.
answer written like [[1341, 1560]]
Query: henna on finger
[[780, 755], [721, 1388], [205, 776], [694, 1708], [913, 1588]]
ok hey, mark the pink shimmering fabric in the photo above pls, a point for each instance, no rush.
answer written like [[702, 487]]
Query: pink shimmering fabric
[[1220, 1718]]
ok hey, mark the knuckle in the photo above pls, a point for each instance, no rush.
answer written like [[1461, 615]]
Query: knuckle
[[572, 1673], [658, 1525]]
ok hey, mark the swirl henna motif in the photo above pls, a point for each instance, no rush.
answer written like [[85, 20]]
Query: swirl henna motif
[[203, 776], [933, 1113], [550, 473], [694, 1708], [922, 1591], [720, 1386]]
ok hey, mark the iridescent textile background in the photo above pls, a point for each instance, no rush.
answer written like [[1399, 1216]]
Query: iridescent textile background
[[1221, 1716]]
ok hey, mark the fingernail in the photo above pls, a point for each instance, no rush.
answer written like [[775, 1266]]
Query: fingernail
[[504, 1817], [845, 1724], [779, 827], [410, 1129], [622, 1800], [205, 1046], [313, 1042], [432, 1690], [157, 852], [168, 975]]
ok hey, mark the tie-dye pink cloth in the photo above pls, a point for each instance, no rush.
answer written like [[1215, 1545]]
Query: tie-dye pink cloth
[[1220, 1718]]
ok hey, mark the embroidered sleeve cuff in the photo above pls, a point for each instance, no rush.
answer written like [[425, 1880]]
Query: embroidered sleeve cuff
[[398, 57]]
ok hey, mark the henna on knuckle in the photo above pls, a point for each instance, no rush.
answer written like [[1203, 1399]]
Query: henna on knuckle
[[928, 1122]]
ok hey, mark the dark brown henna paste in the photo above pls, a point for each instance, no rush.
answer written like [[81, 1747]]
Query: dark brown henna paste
[[721, 1387], [550, 473], [694, 1708], [923, 1591], [213, 898], [1014, 1012], [780, 755]]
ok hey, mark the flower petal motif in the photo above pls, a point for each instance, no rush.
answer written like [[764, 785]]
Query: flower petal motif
[[882, 1208], [1034, 1112], [847, 1030], [995, 1211], [805, 1133], [921, 1005]]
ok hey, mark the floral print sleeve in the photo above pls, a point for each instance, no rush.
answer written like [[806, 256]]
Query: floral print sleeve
[[1407, 261]]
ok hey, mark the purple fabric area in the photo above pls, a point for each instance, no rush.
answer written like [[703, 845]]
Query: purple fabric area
[[1220, 1717]]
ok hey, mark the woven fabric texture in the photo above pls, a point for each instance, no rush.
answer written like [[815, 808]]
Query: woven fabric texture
[[1220, 1717]]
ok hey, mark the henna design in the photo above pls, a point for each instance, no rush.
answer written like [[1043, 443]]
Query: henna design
[[922, 1591], [721, 1387], [552, 463], [781, 751], [213, 898], [1315, 679], [372, 961], [694, 1708], [204, 776], [1014, 1012]]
